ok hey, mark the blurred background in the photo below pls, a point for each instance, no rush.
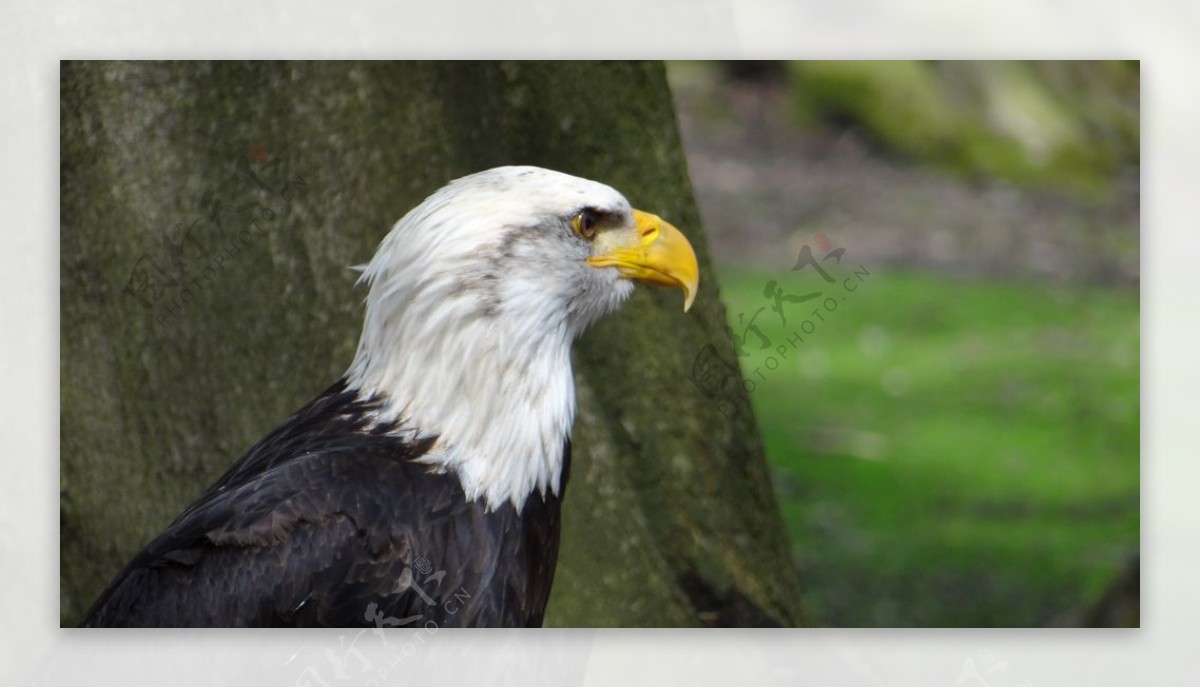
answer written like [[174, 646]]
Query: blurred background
[[931, 271]]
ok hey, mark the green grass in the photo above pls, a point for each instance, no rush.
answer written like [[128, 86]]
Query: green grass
[[949, 452]]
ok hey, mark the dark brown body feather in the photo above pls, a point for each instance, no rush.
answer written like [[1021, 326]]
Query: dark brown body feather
[[330, 522]]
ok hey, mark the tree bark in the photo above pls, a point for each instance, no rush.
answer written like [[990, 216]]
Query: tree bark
[[209, 213]]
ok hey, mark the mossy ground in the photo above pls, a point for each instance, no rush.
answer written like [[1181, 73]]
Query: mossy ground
[[1065, 125], [951, 452]]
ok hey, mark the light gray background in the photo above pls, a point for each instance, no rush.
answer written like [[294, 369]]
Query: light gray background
[[34, 36]]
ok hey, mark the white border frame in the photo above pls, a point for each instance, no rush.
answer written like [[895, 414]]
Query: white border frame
[[34, 36]]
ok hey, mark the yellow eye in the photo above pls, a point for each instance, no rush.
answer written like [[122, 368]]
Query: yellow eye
[[584, 224]]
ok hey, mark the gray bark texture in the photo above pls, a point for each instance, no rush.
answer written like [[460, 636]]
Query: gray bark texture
[[209, 215]]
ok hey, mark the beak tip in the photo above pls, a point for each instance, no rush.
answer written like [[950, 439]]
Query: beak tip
[[688, 299]]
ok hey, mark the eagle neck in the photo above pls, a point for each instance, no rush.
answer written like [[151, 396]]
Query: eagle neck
[[494, 390]]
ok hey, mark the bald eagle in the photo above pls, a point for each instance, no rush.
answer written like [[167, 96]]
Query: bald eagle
[[425, 485]]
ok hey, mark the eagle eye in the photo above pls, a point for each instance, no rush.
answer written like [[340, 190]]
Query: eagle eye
[[584, 224]]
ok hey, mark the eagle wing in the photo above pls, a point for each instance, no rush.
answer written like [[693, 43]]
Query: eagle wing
[[331, 522]]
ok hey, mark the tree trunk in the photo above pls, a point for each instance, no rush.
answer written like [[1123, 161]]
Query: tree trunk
[[209, 213]]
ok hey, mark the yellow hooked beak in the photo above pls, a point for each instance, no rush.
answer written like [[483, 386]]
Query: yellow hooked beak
[[654, 251]]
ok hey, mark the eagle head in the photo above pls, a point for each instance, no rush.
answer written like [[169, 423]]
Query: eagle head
[[475, 297]]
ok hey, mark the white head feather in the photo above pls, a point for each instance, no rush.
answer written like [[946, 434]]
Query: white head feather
[[475, 298]]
